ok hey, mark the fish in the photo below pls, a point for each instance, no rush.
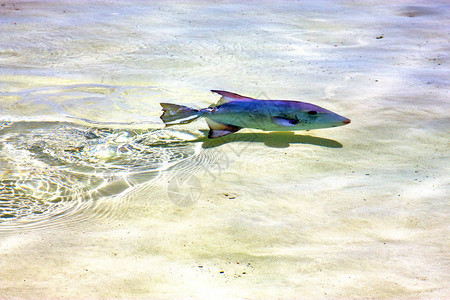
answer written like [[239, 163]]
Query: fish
[[234, 112]]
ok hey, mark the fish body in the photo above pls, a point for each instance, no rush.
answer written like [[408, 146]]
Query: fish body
[[234, 112]]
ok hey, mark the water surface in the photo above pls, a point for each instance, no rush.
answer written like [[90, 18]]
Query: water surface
[[98, 199]]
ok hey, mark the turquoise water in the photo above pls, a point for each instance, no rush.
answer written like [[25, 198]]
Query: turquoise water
[[98, 199]]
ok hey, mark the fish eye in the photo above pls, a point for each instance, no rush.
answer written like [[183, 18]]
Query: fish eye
[[312, 112]]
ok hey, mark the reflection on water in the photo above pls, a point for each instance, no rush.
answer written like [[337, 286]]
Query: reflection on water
[[55, 169], [368, 220]]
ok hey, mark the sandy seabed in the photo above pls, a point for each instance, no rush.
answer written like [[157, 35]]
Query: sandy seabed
[[97, 200]]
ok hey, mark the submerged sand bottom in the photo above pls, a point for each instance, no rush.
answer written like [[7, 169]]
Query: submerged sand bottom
[[274, 227], [355, 211]]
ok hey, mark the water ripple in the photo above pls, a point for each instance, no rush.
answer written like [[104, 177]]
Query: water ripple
[[54, 173], [100, 103]]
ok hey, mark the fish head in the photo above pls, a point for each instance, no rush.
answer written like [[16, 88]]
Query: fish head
[[311, 116]]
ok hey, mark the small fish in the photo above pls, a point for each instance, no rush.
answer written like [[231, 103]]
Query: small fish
[[234, 112]]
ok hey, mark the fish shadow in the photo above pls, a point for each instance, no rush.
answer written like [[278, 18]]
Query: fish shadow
[[273, 139]]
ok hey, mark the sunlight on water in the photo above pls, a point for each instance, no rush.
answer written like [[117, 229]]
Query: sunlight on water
[[52, 169], [99, 200]]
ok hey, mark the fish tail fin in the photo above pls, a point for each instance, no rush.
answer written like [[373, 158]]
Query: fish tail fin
[[178, 114]]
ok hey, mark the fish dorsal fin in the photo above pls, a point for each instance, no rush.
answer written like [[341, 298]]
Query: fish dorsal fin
[[228, 96], [217, 129]]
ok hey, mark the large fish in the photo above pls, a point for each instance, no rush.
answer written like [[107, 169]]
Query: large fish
[[234, 112]]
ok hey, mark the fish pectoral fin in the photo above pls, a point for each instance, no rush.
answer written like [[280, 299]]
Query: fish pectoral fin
[[287, 122], [217, 129]]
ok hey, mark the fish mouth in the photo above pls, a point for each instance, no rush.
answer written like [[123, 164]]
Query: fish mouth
[[346, 121]]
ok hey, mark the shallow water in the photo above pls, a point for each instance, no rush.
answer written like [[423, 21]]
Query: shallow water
[[98, 199]]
